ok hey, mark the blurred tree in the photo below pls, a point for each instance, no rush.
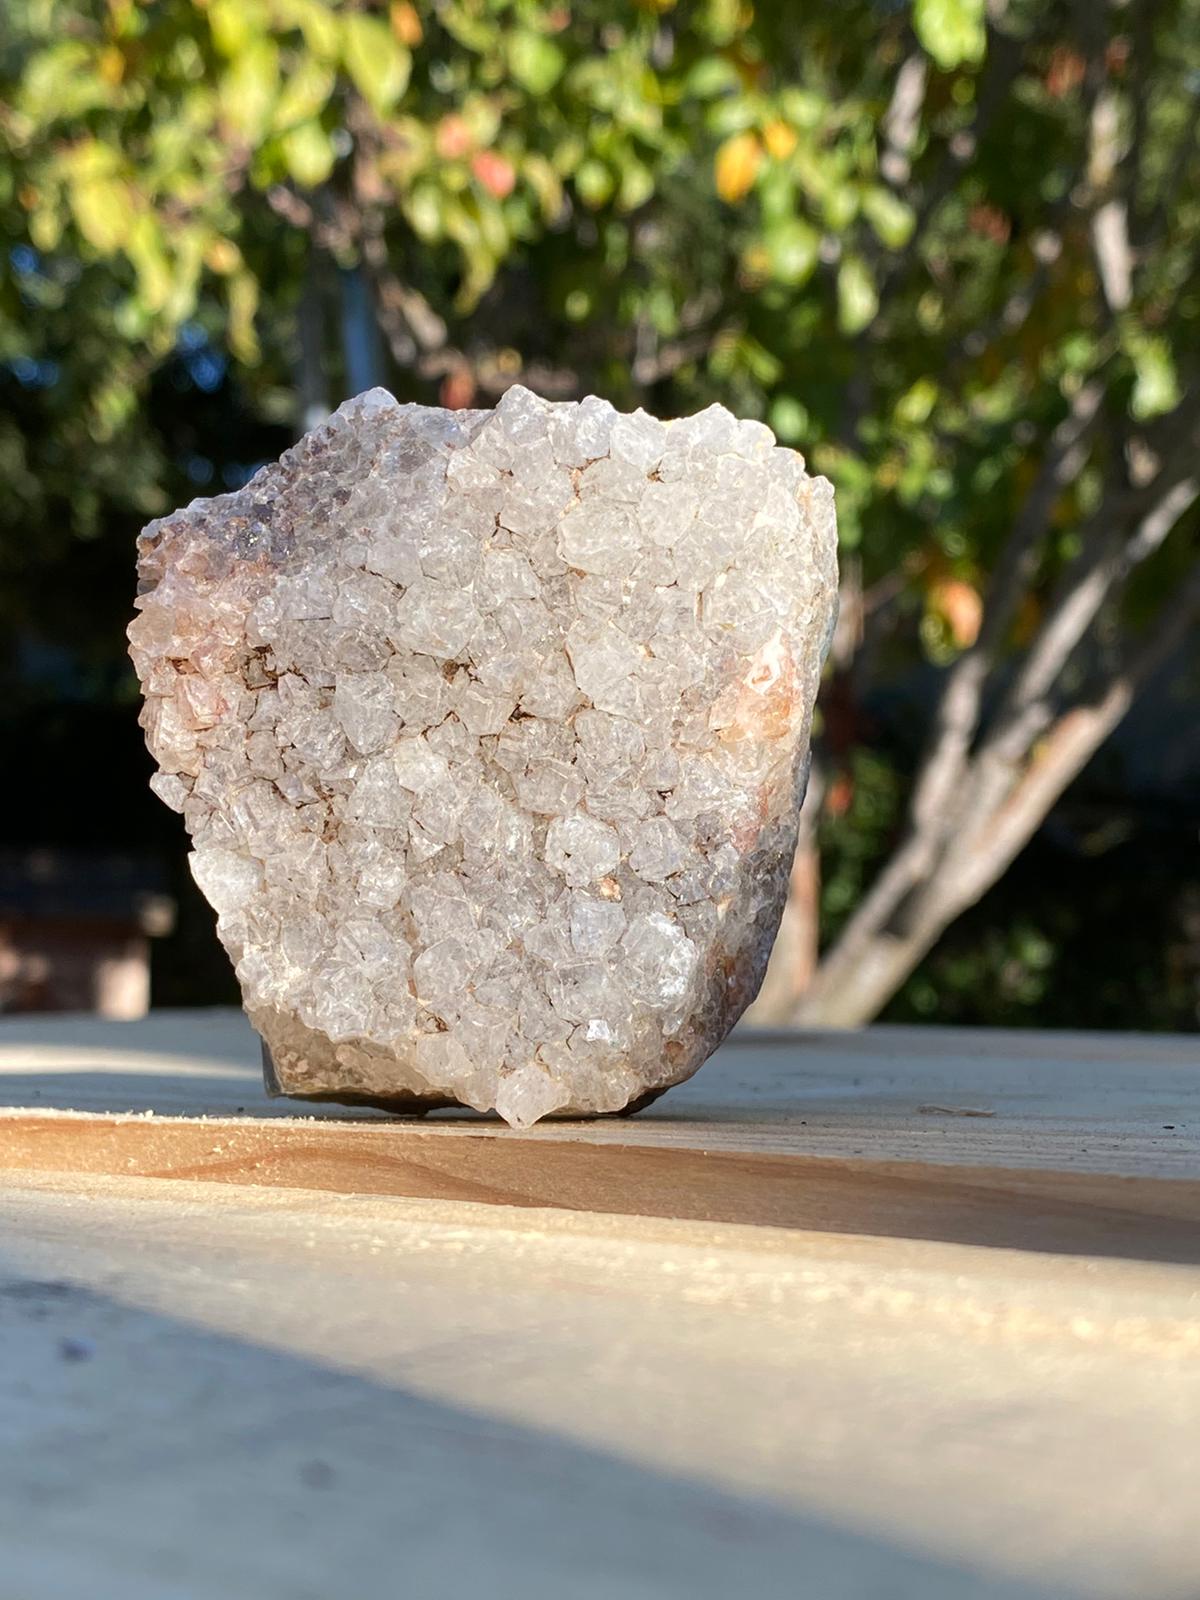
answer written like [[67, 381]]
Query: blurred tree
[[949, 248]]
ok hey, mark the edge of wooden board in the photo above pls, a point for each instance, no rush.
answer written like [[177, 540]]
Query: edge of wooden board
[[1077, 1213]]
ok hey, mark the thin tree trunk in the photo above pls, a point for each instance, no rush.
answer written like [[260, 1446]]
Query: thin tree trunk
[[360, 332], [859, 976]]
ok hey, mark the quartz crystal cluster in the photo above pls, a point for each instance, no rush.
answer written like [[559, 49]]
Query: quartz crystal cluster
[[490, 730]]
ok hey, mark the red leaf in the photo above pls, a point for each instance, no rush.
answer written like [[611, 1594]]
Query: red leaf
[[495, 172]]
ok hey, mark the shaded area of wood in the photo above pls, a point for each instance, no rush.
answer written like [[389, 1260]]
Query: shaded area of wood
[[1074, 1213]]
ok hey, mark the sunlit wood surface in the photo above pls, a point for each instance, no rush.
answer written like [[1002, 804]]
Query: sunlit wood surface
[[904, 1313]]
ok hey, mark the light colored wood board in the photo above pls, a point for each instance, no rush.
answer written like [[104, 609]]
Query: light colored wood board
[[1153, 1219], [1126, 1105], [288, 1395]]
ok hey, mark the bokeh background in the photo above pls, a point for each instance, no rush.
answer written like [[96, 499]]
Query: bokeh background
[[947, 249]]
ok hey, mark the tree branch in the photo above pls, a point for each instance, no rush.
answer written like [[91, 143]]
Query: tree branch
[[902, 121], [794, 953], [948, 857], [1160, 218], [1142, 80], [1003, 64], [416, 336], [856, 978], [1046, 245], [945, 763], [1070, 744], [1114, 258], [1100, 570], [957, 717]]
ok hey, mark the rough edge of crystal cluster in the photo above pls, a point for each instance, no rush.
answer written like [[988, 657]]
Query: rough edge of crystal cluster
[[490, 730]]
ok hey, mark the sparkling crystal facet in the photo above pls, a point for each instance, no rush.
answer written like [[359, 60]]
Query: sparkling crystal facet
[[490, 731]]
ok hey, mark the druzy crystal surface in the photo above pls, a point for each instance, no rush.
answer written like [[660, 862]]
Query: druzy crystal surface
[[490, 731]]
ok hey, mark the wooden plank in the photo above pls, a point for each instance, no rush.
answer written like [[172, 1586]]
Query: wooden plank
[[789, 1328], [1118, 1104], [1089, 1144], [1156, 1219], [270, 1393]]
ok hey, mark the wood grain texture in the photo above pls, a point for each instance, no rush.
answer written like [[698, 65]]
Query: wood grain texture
[[289, 1393], [1153, 1219], [905, 1313]]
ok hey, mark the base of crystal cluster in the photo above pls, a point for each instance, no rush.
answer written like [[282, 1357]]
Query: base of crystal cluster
[[416, 1105], [402, 1105]]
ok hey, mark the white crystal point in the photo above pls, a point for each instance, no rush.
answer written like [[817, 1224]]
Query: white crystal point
[[490, 730]]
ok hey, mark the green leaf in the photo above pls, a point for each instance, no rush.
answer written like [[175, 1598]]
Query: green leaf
[[46, 226], [891, 219], [916, 404], [594, 182], [62, 82], [791, 249], [316, 21], [150, 261], [233, 24], [462, 224], [789, 419], [243, 303], [305, 93], [101, 208], [545, 183], [468, 29], [190, 244], [764, 367], [857, 299], [839, 206], [112, 405], [309, 154], [1156, 387], [534, 61], [951, 31], [637, 184], [377, 62], [579, 303], [804, 107], [721, 20], [99, 197], [248, 89], [710, 77], [423, 208], [1077, 352]]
